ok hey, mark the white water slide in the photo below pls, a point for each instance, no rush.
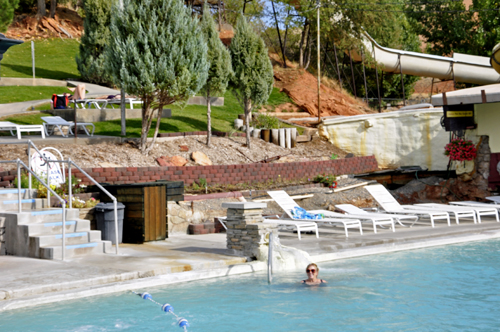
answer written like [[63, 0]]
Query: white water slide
[[462, 67]]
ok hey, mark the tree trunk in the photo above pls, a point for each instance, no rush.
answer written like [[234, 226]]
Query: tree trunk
[[308, 50], [303, 43], [53, 6], [209, 120], [147, 118], [279, 35], [40, 8], [157, 128], [248, 114]]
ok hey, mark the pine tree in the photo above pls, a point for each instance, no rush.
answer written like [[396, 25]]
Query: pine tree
[[7, 13], [157, 52], [220, 65], [90, 61], [252, 81]]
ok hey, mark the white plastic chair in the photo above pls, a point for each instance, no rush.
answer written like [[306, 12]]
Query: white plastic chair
[[288, 204], [354, 210], [390, 205]]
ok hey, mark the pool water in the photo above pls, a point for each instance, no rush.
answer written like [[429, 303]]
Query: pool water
[[453, 288]]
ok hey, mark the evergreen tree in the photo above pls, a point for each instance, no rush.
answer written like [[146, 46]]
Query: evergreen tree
[[90, 61], [252, 81], [156, 52], [7, 13], [220, 68]]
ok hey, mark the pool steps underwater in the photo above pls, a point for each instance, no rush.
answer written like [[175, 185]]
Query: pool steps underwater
[[37, 231]]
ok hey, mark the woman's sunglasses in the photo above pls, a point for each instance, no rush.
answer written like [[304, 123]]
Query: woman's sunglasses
[[310, 271]]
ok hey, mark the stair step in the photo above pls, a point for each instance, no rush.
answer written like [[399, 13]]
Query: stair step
[[12, 193], [47, 228], [75, 250], [27, 204], [75, 238]]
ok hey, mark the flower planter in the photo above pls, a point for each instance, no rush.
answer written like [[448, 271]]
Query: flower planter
[[265, 135]]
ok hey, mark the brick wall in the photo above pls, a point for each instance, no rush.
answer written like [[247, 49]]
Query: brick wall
[[231, 174], [221, 174]]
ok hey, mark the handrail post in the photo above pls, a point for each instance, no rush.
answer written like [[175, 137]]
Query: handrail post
[[48, 183], [19, 185], [115, 205], [63, 230], [70, 185], [29, 165], [270, 259]]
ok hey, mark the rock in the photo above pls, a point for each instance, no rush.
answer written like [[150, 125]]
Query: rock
[[201, 159], [177, 160], [183, 148], [162, 162]]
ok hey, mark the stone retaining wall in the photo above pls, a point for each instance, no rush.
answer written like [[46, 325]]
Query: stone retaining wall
[[231, 174], [219, 174]]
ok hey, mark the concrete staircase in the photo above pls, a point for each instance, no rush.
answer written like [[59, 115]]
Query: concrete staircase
[[37, 231]]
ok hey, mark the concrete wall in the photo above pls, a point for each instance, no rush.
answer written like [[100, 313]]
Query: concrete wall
[[488, 123], [401, 138], [95, 115]]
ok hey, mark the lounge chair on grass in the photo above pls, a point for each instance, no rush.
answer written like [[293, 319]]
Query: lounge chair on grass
[[464, 211], [390, 205], [288, 204], [354, 211], [56, 122], [6, 125]]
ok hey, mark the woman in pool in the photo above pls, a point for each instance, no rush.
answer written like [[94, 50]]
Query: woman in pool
[[312, 271]]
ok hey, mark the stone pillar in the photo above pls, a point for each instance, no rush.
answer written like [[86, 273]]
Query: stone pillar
[[246, 234]]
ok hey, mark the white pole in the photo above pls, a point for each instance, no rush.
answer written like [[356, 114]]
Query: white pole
[[70, 185], [33, 57], [115, 205], [19, 185]]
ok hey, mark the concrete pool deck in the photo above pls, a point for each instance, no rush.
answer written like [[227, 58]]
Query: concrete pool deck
[[27, 282]]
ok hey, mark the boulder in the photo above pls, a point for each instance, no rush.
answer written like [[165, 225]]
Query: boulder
[[200, 158], [176, 160], [162, 162]]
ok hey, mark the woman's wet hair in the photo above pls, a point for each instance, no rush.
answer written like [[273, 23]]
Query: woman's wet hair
[[313, 264]]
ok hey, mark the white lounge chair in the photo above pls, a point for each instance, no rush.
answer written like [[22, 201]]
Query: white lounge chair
[[287, 204], [494, 199], [465, 209], [56, 122], [6, 125], [299, 226], [390, 205], [354, 211]]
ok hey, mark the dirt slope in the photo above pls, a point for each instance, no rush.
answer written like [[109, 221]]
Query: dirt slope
[[66, 23], [302, 87]]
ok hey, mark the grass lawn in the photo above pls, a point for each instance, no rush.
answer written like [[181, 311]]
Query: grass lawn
[[54, 58], [14, 94], [191, 118]]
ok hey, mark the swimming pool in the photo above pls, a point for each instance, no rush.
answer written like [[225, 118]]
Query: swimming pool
[[453, 288]]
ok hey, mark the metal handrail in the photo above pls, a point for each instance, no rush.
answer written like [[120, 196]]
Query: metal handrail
[[19, 163], [270, 259], [70, 194]]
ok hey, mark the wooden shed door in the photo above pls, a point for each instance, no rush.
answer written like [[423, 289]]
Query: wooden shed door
[[155, 213]]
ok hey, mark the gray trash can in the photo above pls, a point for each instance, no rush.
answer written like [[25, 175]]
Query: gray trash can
[[105, 220]]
